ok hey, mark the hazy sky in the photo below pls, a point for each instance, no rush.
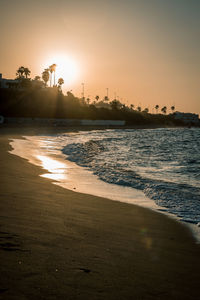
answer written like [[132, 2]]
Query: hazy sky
[[147, 51]]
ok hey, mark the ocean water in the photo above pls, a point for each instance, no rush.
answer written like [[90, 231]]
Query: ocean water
[[163, 164]]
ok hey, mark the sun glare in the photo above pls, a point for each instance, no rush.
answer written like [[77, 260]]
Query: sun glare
[[55, 167], [66, 68]]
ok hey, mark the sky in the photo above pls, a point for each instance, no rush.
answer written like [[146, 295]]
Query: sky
[[146, 52]]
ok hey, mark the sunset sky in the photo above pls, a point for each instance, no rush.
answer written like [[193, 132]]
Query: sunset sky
[[145, 51]]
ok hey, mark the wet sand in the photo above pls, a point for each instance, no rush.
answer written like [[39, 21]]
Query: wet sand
[[59, 244]]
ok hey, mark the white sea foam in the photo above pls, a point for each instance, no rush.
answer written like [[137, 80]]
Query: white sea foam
[[124, 166]]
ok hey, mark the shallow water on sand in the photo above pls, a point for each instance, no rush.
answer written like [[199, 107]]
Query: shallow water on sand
[[157, 168]]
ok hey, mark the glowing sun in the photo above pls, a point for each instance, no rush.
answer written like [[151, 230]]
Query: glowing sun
[[66, 68]]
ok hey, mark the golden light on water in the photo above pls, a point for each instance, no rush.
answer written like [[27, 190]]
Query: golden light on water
[[66, 67], [55, 167]]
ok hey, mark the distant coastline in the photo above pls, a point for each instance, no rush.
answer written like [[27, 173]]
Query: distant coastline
[[51, 125], [27, 100]]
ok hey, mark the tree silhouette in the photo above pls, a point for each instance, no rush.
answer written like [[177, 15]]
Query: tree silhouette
[[114, 104], [27, 72], [20, 72], [132, 106], [60, 82], [139, 108], [164, 110], [146, 110], [37, 78], [23, 71], [157, 107], [45, 76], [96, 98], [52, 69], [70, 94], [172, 108]]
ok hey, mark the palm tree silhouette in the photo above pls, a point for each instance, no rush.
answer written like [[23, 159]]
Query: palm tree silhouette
[[157, 107], [60, 82], [164, 110], [45, 76], [27, 72], [20, 72], [172, 108], [52, 69], [114, 104]]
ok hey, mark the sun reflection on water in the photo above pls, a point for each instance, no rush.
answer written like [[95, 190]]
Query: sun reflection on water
[[56, 168]]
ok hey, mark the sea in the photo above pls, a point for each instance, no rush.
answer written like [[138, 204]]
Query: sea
[[154, 168]]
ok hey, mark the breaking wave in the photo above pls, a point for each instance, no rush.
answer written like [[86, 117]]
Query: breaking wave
[[163, 163]]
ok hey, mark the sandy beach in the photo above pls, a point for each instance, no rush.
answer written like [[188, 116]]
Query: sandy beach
[[59, 244]]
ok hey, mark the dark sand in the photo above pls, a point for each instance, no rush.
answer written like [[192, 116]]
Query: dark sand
[[59, 244]]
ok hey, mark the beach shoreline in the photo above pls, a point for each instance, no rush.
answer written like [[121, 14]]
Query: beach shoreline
[[60, 244], [71, 176]]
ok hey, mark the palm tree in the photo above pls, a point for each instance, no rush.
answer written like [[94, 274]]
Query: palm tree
[[60, 82], [88, 100], [114, 104], [45, 76], [157, 107], [139, 108], [52, 69], [97, 98], [27, 72], [20, 72], [172, 108], [164, 110], [146, 110]]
